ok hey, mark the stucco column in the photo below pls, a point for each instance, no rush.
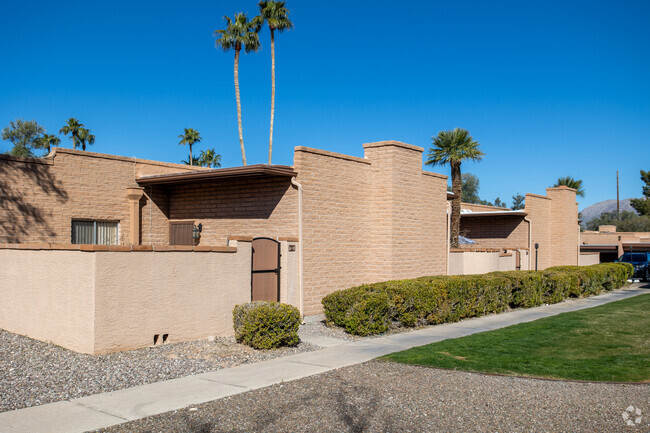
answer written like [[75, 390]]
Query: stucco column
[[134, 194]]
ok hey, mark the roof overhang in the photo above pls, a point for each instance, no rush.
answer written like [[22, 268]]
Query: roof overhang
[[216, 174], [636, 246], [599, 248], [497, 213]]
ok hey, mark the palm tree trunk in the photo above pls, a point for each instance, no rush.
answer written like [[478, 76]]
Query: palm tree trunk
[[272, 92], [456, 188], [191, 162], [241, 135]]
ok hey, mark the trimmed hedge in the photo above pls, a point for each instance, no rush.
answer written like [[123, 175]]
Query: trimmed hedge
[[374, 308], [266, 325]]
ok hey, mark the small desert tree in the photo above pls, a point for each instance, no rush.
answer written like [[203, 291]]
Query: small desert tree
[[24, 135]]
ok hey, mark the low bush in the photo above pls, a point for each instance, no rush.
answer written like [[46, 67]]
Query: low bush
[[374, 308], [266, 325]]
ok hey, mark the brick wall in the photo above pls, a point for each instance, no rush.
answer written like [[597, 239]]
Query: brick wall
[[41, 196], [554, 220], [336, 226], [564, 225], [505, 232], [259, 207], [369, 219], [538, 208]]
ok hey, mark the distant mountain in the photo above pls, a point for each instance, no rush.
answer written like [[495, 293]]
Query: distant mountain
[[593, 211]]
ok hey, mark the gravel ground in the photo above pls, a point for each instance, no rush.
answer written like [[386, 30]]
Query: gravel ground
[[386, 397], [321, 329], [34, 373]]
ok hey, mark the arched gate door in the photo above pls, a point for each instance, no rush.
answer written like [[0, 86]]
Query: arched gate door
[[265, 272]]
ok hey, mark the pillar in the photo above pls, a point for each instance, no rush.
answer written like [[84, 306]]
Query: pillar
[[134, 194]]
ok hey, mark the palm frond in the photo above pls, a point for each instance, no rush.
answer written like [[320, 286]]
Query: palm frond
[[453, 147], [239, 33]]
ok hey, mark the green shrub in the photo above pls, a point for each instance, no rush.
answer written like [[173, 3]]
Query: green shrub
[[372, 308], [266, 325], [369, 315]]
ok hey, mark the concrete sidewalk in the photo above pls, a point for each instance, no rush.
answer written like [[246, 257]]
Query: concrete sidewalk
[[103, 410]]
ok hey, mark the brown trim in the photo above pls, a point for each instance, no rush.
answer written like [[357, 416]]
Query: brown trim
[[241, 238], [494, 213], [288, 239], [218, 174]]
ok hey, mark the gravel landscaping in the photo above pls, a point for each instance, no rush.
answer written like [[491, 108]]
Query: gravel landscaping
[[319, 328], [386, 397], [34, 373]]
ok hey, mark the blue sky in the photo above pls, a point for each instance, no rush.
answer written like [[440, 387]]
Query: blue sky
[[548, 88]]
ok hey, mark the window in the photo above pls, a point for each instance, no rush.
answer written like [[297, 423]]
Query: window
[[95, 232], [180, 233]]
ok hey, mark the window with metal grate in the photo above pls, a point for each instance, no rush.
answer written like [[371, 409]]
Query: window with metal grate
[[95, 232]]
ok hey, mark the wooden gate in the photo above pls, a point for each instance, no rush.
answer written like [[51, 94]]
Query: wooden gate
[[265, 273]]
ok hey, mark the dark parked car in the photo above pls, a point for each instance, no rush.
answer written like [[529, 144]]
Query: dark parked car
[[641, 263]]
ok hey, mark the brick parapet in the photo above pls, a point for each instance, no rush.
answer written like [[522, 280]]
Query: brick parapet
[[330, 154]]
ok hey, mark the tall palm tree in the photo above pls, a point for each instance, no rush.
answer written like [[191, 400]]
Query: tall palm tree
[[209, 158], [72, 127], [276, 15], [454, 147], [572, 183], [190, 137], [239, 33], [85, 137], [47, 141]]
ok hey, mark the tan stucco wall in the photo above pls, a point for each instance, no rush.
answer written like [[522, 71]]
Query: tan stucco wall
[[49, 296], [290, 273], [587, 259], [483, 262], [103, 301], [186, 295]]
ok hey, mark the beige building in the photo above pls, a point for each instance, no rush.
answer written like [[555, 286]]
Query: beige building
[[606, 244], [103, 253]]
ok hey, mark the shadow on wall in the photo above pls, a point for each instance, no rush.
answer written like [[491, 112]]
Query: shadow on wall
[[20, 219], [483, 228], [227, 200]]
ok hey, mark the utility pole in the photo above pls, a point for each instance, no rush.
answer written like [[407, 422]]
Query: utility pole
[[618, 203]]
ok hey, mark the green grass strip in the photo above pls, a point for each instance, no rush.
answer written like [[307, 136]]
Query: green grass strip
[[606, 343]]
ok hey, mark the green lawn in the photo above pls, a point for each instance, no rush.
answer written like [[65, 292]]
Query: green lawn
[[606, 343]]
